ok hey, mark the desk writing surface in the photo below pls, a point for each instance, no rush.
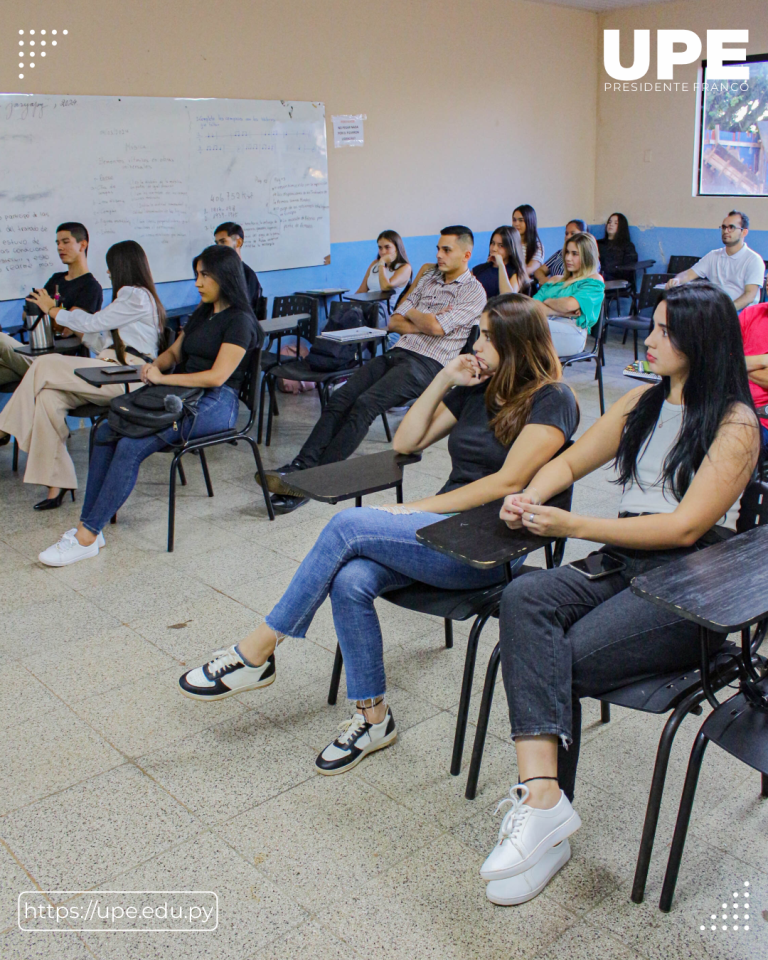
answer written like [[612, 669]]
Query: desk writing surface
[[283, 324], [723, 587], [478, 537], [60, 345], [352, 478], [97, 378], [371, 296]]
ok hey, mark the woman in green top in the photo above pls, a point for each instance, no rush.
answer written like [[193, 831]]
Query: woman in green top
[[572, 302]]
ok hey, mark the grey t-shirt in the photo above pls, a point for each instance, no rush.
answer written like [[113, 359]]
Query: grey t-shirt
[[475, 452]]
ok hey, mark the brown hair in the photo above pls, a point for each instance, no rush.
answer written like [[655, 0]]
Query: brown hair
[[520, 334], [394, 237], [513, 246], [128, 267], [590, 257]]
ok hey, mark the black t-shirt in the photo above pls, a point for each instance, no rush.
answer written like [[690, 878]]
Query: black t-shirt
[[475, 452], [253, 286], [83, 292], [614, 255], [203, 337], [488, 274]]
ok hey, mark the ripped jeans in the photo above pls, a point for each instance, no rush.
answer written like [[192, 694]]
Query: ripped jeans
[[564, 637]]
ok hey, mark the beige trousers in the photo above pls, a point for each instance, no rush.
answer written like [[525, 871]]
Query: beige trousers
[[13, 365], [36, 414]]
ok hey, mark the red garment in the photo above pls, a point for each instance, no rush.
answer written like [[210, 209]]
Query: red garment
[[754, 333]]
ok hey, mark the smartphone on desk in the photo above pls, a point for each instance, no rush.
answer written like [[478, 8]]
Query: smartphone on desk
[[598, 565], [113, 371]]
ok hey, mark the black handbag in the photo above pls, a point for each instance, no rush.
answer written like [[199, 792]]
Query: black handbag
[[325, 356], [152, 409]]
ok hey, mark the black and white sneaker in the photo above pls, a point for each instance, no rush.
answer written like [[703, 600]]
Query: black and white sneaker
[[357, 739], [225, 675], [281, 504]]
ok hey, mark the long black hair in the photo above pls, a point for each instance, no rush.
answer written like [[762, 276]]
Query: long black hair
[[513, 247], [702, 323], [128, 267], [531, 240], [622, 238], [226, 268]]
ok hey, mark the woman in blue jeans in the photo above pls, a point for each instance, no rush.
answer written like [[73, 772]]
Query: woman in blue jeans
[[684, 450], [211, 352], [506, 413]]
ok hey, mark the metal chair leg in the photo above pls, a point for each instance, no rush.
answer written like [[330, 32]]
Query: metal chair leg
[[462, 717], [683, 819], [482, 723], [557, 551], [15, 464], [262, 477], [657, 790], [358, 501], [262, 401], [387, 431], [335, 676], [175, 466], [605, 712], [763, 785], [270, 411], [206, 475], [448, 633], [600, 386], [399, 492], [182, 475]]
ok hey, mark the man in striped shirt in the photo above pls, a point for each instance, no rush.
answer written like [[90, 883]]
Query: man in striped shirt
[[434, 320]]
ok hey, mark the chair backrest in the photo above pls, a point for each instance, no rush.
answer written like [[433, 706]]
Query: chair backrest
[[471, 340], [648, 297], [249, 391], [261, 308], [753, 511], [679, 264], [296, 303]]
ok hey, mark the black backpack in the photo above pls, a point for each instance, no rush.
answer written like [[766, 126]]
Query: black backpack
[[325, 356], [148, 411]]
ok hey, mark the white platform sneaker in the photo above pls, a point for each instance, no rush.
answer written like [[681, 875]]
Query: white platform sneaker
[[526, 834], [357, 739], [526, 886], [68, 550]]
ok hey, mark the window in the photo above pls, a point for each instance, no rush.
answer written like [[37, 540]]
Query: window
[[733, 134]]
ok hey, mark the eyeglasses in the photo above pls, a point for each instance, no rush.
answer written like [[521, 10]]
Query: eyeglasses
[[729, 226]]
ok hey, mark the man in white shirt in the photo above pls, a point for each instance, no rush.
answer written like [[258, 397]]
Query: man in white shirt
[[737, 269]]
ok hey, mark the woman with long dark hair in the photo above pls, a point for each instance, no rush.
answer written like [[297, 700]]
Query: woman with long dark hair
[[616, 248], [525, 222], [391, 270], [505, 412], [504, 270], [128, 330], [684, 450], [211, 352]]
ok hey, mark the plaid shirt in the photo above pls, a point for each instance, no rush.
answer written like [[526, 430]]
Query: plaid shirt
[[464, 296]]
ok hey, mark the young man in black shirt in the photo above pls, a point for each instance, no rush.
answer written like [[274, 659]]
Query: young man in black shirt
[[76, 287], [231, 234]]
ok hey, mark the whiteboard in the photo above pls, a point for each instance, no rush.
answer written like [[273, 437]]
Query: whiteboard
[[164, 172]]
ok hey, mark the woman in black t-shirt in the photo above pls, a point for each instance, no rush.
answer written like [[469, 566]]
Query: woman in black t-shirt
[[616, 249], [212, 352], [504, 270], [507, 413]]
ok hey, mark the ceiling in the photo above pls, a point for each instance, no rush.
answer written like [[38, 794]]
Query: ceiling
[[601, 5]]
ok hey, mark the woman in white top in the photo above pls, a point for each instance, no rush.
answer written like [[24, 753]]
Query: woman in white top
[[391, 270], [684, 450], [128, 330]]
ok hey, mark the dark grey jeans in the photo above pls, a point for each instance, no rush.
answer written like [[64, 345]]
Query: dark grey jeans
[[564, 637], [389, 381]]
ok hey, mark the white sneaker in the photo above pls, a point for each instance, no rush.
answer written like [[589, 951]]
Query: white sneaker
[[526, 834], [225, 675], [100, 540], [358, 739], [67, 551], [526, 886]]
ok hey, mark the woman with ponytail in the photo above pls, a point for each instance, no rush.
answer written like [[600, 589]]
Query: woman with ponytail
[[505, 412], [128, 330], [684, 450]]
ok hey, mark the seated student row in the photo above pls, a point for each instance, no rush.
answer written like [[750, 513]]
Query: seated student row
[[129, 330], [685, 450]]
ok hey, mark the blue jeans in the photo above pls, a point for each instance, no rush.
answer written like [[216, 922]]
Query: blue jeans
[[114, 467], [361, 554]]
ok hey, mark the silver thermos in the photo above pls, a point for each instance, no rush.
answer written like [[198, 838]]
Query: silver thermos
[[39, 329]]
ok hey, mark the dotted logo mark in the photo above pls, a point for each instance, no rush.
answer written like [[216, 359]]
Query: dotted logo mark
[[35, 46], [737, 911]]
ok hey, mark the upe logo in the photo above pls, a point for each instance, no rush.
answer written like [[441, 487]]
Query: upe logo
[[667, 56]]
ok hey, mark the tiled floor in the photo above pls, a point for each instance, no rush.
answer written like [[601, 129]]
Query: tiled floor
[[112, 780]]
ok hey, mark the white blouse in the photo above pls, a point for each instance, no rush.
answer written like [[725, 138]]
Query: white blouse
[[374, 281], [133, 314]]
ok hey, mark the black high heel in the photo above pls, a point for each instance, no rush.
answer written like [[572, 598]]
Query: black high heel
[[53, 503]]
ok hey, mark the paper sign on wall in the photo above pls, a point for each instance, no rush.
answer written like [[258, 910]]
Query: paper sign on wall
[[348, 130]]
